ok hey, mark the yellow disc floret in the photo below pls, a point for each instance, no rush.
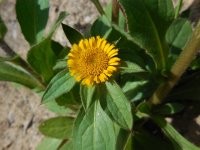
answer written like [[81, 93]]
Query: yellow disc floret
[[93, 60]]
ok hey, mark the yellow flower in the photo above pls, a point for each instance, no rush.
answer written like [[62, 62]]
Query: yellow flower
[[93, 60]]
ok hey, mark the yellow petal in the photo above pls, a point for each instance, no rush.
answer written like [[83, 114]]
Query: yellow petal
[[113, 52], [111, 68], [92, 42], [81, 45], [103, 44], [107, 73], [110, 48], [96, 79], [103, 77], [113, 60]]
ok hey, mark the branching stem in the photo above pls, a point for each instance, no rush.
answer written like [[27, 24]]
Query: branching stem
[[180, 66]]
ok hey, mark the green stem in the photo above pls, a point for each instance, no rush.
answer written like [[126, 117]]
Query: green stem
[[182, 63], [178, 8], [115, 11], [98, 6]]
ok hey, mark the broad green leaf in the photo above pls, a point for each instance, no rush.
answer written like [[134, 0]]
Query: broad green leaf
[[127, 47], [169, 108], [87, 95], [98, 6], [41, 56], [122, 137], [48, 144], [59, 127], [32, 16], [129, 145], [57, 109], [3, 29], [119, 106], [57, 48], [179, 33], [101, 27], [67, 146], [42, 59], [143, 140], [178, 141], [148, 21], [60, 84], [72, 34], [58, 21], [14, 73], [94, 130], [60, 65], [129, 67], [138, 88]]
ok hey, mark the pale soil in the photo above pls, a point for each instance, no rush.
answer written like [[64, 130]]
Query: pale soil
[[20, 109]]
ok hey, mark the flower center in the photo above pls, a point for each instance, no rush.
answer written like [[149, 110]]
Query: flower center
[[94, 61]]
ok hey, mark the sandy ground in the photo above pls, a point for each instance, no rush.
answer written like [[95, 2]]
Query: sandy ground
[[20, 108]]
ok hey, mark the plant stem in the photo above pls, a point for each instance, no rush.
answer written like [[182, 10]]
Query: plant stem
[[115, 11], [98, 6], [4, 46], [19, 61], [182, 63], [178, 8]]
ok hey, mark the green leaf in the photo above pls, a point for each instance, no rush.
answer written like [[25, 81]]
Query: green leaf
[[41, 56], [138, 88], [42, 59], [119, 106], [58, 21], [148, 21], [32, 16], [98, 6], [94, 130], [122, 137], [60, 84], [101, 27], [3, 29], [72, 34], [87, 95], [129, 145], [179, 33], [129, 67], [179, 142], [59, 127], [48, 144], [14, 73], [67, 146], [57, 109], [169, 108], [143, 140], [57, 48]]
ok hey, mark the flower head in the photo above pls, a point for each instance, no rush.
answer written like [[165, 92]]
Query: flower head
[[93, 60]]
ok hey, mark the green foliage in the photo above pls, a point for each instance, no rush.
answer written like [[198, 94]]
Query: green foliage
[[60, 127], [14, 73], [48, 144], [94, 130], [32, 16], [119, 105], [178, 141], [117, 114], [148, 21], [60, 84], [72, 34]]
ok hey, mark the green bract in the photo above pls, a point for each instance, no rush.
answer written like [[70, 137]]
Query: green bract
[[121, 113]]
